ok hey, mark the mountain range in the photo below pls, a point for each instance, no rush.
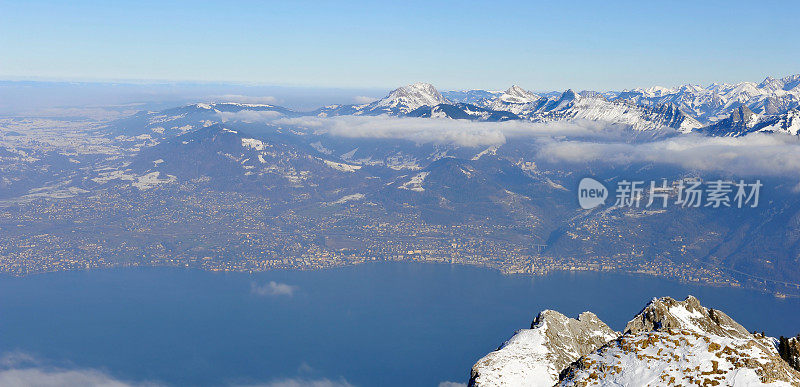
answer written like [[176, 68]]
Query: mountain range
[[716, 109]]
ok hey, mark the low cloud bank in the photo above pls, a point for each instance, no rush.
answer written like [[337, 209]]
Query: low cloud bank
[[22, 369], [427, 130], [444, 131], [571, 141], [56, 378], [272, 288], [238, 98], [754, 154], [250, 116], [301, 382]]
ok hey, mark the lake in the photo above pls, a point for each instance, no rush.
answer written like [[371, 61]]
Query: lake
[[389, 324]]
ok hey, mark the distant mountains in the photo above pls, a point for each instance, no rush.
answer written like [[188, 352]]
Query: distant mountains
[[718, 109]]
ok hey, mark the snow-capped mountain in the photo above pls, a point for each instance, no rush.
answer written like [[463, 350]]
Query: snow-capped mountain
[[668, 343], [406, 99], [399, 102]]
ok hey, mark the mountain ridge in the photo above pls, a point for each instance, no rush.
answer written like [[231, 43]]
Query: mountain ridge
[[669, 342]]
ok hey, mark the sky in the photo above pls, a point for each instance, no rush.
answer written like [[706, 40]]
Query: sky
[[547, 45]]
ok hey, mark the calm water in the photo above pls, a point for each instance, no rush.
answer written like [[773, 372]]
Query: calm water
[[376, 324]]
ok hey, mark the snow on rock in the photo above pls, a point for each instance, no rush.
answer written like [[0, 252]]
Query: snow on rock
[[492, 150], [342, 167], [668, 343], [349, 198], [415, 184], [534, 357], [320, 148], [253, 143], [151, 180], [106, 176]]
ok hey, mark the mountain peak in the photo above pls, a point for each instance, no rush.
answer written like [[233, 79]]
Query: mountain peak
[[538, 354], [567, 96], [516, 94], [664, 314], [411, 97]]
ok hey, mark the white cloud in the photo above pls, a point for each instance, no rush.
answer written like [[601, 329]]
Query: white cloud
[[574, 141], [444, 131], [427, 130], [268, 100], [754, 154], [272, 288], [249, 116], [21, 369], [45, 378], [360, 99], [16, 359], [299, 382]]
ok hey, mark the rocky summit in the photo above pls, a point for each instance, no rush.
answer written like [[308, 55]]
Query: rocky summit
[[668, 343]]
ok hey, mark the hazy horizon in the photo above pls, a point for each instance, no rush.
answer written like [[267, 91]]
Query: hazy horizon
[[367, 45]]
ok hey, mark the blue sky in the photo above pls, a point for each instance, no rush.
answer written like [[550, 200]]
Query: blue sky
[[539, 45]]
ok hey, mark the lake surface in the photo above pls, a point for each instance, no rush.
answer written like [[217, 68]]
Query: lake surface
[[376, 324]]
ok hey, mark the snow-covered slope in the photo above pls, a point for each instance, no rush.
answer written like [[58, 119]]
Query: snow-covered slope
[[595, 107], [668, 343], [535, 356], [622, 113]]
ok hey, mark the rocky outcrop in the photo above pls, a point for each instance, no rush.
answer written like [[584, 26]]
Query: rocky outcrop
[[669, 342], [667, 314], [740, 122], [536, 356]]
